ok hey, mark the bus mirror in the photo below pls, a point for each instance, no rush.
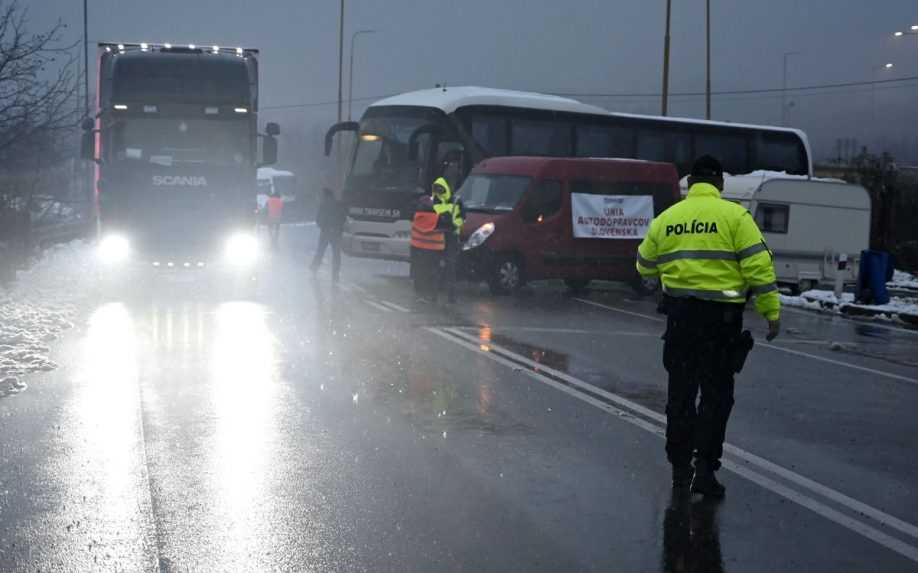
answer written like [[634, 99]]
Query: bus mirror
[[88, 145], [342, 126], [272, 129], [268, 151], [87, 124]]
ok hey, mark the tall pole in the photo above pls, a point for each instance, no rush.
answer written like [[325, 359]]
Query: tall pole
[[666, 59], [707, 69], [86, 58], [338, 159], [784, 108], [350, 81], [340, 58]]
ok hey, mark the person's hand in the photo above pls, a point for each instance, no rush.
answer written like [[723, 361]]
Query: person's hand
[[774, 329]]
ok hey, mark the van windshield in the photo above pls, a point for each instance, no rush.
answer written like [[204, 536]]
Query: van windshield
[[493, 193]]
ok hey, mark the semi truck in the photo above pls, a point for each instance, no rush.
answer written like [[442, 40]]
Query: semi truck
[[176, 148]]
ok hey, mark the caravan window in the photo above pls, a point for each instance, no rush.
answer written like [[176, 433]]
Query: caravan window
[[772, 218]]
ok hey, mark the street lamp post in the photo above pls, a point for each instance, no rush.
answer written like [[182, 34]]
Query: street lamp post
[[338, 160], [85, 58], [350, 82], [873, 90], [669, 5], [707, 67], [784, 109]]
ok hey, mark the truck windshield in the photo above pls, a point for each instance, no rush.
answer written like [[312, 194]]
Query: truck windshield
[[382, 156], [176, 141], [493, 193]]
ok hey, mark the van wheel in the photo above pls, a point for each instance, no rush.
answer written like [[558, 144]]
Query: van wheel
[[577, 285], [507, 276], [645, 286]]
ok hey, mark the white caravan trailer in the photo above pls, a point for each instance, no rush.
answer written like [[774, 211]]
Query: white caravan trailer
[[807, 222]]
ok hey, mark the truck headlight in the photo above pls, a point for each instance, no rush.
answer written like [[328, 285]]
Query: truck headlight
[[114, 249], [242, 249], [480, 235]]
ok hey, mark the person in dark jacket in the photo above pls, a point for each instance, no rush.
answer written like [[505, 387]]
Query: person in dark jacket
[[330, 220]]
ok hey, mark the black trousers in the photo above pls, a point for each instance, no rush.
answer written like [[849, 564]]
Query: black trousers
[[327, 238], [699, 339]]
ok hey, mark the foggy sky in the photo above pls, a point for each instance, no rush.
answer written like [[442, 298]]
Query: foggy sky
[[574, 46]]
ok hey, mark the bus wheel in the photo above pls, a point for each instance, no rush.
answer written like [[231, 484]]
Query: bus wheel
[[577, 285], [507, 276], [645, 286]]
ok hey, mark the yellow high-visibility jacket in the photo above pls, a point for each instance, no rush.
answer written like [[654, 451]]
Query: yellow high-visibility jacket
[[443, 203], [709, 248]]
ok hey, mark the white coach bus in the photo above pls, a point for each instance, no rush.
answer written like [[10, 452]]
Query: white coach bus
[[406, 141]]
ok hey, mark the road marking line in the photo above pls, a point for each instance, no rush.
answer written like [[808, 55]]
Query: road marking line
[[377, 306], [394, 306], [762, 463], [771, 346], [614, 309], [849, 319], [840, 363], [561, 330]]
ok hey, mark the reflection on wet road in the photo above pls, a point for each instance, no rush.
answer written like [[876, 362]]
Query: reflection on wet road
[[305, 429]]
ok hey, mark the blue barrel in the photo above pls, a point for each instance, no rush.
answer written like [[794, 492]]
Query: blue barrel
[[873, 272]]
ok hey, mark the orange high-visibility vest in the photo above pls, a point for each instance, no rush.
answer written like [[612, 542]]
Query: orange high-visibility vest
[[275, 208], [424, 234]]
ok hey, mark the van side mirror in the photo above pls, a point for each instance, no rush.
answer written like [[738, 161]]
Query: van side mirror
[[272, 129], [338, 127], [268, 151]]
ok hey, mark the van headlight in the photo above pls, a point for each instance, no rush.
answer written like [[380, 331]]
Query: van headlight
[[114, 249], [241, 249], [480, 235]]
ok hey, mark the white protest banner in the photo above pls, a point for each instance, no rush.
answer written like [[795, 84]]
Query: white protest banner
[[611, 216]]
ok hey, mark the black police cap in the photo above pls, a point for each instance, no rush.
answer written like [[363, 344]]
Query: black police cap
[[707, 166]]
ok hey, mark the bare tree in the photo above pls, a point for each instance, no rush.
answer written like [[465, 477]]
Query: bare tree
[[37, 81]]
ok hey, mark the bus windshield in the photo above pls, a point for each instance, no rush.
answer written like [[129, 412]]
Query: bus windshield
[[383, 155], [493, 193], [177, 141]]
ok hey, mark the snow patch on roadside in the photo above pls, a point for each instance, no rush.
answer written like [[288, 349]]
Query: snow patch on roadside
[[37, 309], [825, 301], [903, 280]]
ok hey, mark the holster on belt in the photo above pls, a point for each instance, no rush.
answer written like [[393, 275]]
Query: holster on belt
[[740, 350]]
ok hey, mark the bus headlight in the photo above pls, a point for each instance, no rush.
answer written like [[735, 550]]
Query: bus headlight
[[480, 235], [242, 249], [114, 249]]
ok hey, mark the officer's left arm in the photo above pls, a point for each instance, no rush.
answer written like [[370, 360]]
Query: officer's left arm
[[647, 253], [757, 267]]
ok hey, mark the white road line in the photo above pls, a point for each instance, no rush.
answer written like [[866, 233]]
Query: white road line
[[614, 309], [771, 346], [377, 306], [356, 287], [394, 306], [762, 463], [840, 363], [829, 317], [549, 330]]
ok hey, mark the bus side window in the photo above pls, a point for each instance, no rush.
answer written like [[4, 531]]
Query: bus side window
[[546, 200], [680, 152], [544, 138], [731, 149], [490, 133], [605, 141], [651, 143], [781, 152]]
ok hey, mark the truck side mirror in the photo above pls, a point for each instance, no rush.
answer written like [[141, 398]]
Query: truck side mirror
[[268, 151], [338, 127], [272, 129]]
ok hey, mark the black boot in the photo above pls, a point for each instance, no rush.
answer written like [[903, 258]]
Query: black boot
[[705, 482], [682, 476]]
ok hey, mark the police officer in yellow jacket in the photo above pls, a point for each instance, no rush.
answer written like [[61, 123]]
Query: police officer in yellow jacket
[[711, 257], [451, 221]]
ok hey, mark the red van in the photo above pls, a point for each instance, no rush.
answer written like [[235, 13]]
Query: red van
[[533, 218]]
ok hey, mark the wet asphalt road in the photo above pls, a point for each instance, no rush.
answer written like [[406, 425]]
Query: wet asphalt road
[[313, 428]]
